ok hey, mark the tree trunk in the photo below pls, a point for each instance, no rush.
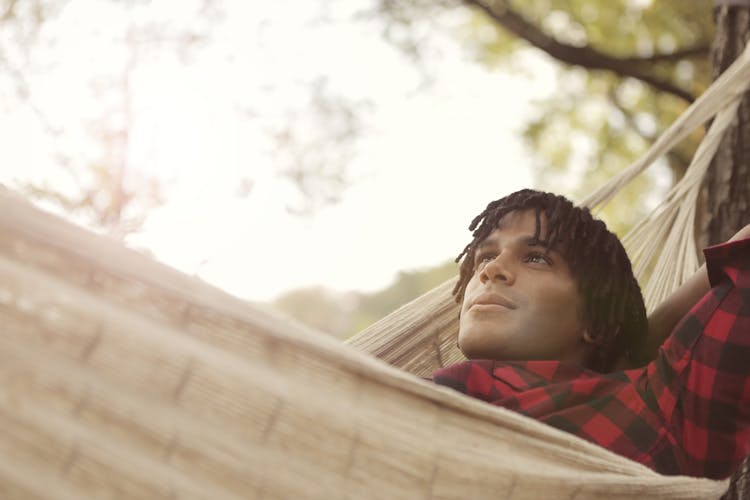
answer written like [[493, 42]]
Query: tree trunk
[[726, 190]]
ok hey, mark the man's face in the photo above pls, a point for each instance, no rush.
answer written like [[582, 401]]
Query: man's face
[[522, 302]]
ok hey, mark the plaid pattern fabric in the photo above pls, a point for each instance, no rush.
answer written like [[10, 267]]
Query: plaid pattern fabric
[[687, 412]]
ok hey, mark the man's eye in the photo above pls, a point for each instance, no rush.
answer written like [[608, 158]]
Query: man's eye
[[485, 258], [538, 258]]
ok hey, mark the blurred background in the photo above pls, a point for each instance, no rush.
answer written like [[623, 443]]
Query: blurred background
[[325, 157]]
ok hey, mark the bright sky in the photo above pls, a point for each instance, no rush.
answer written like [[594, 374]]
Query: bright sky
[[429, 157]]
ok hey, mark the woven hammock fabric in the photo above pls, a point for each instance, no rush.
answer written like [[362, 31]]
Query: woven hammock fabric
[[120, 377]]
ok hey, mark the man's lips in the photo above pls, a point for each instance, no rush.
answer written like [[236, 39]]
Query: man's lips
[[491, 300]]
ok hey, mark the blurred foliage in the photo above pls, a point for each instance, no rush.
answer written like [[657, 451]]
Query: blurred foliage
[[313, 142], [106, 191], [107, 201], [315, 145], [597, 122], [328, 311], [407, 286], [344, 314]]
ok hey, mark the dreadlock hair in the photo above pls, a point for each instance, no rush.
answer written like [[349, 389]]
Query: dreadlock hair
[[613, 309]]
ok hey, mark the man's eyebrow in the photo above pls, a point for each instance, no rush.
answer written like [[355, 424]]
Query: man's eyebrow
[[487, 242], [535, 242], [527, 240]]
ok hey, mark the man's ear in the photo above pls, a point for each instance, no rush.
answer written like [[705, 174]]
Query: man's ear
[[589, 339]]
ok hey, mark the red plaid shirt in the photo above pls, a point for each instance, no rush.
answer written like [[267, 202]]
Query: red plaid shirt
[[687, 412]]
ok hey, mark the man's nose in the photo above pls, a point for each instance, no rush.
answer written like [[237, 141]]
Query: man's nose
[[499, 269]]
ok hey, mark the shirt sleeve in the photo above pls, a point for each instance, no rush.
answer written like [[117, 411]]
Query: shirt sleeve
[[700, 380]]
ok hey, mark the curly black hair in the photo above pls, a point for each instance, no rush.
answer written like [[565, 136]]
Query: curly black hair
[[613, 308]]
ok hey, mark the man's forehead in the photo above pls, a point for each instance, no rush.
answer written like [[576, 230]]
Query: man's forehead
[[528, 220], [521, 225]]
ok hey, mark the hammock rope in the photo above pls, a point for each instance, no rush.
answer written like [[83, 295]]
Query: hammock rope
[[729, 87], [663, 243]]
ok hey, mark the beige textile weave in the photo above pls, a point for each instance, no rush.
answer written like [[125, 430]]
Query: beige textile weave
[[122, 378]]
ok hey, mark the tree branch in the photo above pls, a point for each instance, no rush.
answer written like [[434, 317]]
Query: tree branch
[[690, 52], [672, 154], [9, 10], [586, 57]]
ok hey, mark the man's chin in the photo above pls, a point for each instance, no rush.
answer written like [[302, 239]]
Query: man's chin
[[477, 345]]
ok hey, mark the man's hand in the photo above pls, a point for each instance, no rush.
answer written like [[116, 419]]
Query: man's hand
[[742, 234]]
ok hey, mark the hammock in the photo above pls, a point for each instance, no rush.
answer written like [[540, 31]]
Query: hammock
[[120, 377]]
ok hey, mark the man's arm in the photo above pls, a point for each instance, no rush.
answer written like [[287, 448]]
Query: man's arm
[[664, 318], [699, 378]]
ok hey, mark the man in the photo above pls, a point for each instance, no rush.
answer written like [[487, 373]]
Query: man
[[551, 313]]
